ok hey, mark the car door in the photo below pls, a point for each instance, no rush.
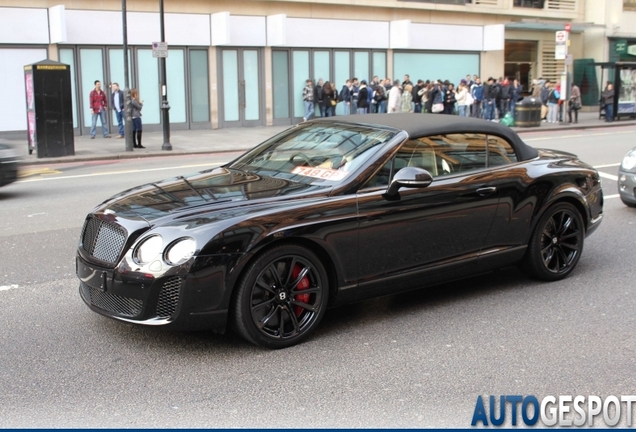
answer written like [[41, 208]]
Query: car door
[[442, 226]]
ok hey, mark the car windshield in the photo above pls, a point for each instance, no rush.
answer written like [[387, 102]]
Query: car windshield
[[317, 152]]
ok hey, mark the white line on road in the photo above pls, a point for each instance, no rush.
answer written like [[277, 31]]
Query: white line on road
[[608, 176], [607, 165], [574, 136], [611, 196], [8, 287], [120, 172]]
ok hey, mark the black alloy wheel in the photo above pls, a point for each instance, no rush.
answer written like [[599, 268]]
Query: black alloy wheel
[[556, 244], [282, 297]]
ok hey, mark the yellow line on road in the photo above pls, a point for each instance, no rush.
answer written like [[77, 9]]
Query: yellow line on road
[[37, 171], [119, 172]]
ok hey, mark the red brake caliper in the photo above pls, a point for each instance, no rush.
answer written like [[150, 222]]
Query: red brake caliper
[[303, 284]]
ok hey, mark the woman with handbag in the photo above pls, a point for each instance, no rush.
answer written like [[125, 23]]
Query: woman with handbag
[[137, 105], [574, 104]]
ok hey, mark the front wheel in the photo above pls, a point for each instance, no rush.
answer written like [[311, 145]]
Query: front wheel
[[281, 298], [556, 244]]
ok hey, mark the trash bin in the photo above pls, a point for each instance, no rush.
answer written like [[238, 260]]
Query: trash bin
[[528, 112]]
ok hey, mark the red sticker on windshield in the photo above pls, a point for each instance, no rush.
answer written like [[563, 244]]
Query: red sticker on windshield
[[320, 173]]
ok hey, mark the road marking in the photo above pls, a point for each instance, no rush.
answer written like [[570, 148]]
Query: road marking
[[607, 165], [37, 171], [8, 287], [608, 176], [575, 136], [611, 196], [120, 172]]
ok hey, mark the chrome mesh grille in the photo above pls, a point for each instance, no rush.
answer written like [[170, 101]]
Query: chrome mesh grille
[[103, 240], [169, 297], [119, 305]]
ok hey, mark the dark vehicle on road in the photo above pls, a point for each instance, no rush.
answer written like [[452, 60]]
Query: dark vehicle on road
[[627, 179], [334, 211], [8, 164]]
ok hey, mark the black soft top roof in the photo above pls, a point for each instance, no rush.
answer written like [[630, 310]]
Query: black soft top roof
[[418, 125]]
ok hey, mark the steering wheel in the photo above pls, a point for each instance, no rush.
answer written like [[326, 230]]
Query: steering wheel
[[299, 159]]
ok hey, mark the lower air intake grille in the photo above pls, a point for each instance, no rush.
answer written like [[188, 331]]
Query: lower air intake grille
[[169, 297], [119, 305]]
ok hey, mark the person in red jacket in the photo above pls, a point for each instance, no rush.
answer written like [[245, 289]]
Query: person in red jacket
[[98, 104]]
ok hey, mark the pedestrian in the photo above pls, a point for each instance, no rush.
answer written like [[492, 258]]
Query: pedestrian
[[308, 99], [137, 105], [515, 95], [451, 100], [506, 96], [574, 103], [379, 99], [477, 92], [329, 100], [345, 97], [407, 99], [395, 97], [490, 99], [98, 104], [461, 97], [543, 95], [318, 96], [608, 102], [117, 101], [355, 88], [553, 105], [417, 97], [363, 98]]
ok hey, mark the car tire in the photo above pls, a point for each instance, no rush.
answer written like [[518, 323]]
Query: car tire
[[281, 297], [627, 203], [556, 243]]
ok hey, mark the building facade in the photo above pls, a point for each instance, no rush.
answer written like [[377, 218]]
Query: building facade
[[244, 63]]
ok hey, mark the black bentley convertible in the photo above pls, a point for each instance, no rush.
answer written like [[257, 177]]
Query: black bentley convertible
[[334, 211]]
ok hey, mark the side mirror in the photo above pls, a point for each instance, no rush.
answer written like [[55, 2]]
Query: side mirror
[[411, 177]]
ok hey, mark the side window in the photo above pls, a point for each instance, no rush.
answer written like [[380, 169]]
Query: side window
[[500, 152], [447, 154]]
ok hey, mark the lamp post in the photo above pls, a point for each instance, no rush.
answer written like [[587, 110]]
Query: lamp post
[[165, 107], [127, 101]]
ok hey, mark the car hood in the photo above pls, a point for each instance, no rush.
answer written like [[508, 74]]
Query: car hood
[[202, 192]]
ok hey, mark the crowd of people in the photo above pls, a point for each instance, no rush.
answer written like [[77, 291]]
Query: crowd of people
[[490, 100]]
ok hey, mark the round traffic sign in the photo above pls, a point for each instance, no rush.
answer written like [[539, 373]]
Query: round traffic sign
[[568, 27]]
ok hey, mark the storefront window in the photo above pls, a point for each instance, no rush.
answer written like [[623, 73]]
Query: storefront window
[[199, 82], [629, 5]]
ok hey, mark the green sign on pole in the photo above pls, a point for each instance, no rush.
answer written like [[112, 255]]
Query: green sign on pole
[[621, 47]]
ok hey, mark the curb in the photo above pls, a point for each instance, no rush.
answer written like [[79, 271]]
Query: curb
[[122, 156]]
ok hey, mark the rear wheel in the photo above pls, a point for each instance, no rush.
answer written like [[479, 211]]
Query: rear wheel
[[281, 298], [556, 244]]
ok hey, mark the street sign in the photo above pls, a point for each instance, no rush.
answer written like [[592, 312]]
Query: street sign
[[621, 46], [560, 52], [159, 49], [568, 27], [561, 37]]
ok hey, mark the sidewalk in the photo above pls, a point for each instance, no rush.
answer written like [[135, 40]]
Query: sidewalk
[[225, 140]]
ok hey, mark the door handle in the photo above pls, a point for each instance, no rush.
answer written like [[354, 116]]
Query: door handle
[[485, 191], [242, 93]]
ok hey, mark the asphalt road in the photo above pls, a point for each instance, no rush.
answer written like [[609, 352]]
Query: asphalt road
[[413, 360]]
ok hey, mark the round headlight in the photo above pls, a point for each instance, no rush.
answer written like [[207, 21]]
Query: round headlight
[[181, 251], [629, 161], [148, 249]]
